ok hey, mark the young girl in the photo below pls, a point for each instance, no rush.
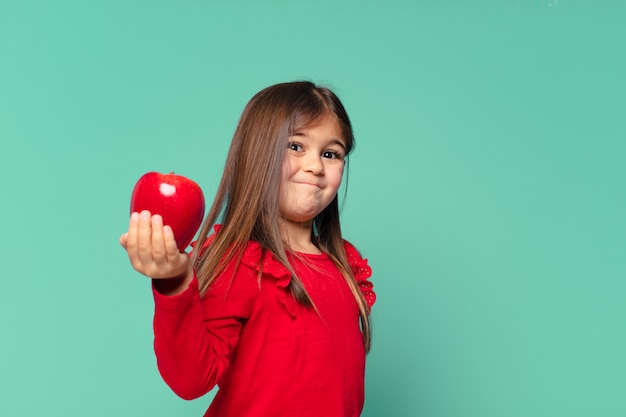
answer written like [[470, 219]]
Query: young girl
[[273, 305]]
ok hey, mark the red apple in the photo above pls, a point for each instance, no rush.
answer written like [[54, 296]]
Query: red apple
[[176, 198]]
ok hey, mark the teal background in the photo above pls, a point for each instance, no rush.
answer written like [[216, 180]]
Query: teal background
[[487, 190]]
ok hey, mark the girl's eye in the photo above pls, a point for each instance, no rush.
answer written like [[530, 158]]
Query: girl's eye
[[331, 155], [295, 147]]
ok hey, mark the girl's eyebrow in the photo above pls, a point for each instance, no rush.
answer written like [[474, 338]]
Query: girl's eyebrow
[[331, 141], [338, 142]]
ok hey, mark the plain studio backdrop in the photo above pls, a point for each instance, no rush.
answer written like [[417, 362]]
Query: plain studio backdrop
[[486, 189]]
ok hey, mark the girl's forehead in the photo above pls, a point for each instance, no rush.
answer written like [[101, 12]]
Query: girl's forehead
[[326, 118]]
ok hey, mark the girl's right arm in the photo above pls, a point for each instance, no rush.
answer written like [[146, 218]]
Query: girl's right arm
[[193, 338]]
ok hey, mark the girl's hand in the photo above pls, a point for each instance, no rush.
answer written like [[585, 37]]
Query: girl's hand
[[152, 249]]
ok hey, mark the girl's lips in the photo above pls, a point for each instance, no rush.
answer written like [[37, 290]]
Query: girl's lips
[[308, 183]]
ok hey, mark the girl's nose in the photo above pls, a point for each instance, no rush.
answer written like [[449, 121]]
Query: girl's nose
[[313, 164]]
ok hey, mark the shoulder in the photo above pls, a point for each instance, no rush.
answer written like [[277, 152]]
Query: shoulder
[[361, 271], [359, 264]]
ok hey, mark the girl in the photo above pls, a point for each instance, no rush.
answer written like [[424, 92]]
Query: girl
[[273, 305]]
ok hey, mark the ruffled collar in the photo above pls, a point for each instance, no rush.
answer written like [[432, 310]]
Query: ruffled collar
[[257, 258], [263, 261]]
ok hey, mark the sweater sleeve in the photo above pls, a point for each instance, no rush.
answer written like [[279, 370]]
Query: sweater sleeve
[[194, 336]]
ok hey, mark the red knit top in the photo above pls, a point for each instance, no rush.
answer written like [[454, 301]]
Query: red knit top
[[269, 355]]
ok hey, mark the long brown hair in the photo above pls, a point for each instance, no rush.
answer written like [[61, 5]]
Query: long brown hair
[[246, 202]]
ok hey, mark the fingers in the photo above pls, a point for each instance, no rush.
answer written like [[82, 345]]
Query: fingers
[[144, 237], [124, 240], [144, 240], [171, 247], [131, 235], [159, 254], [151, 247], [129, 240]]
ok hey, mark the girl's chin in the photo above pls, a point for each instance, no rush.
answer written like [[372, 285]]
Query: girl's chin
[[302, 214], [303, 219]]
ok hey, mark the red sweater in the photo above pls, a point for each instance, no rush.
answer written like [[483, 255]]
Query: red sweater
[[269, 355]]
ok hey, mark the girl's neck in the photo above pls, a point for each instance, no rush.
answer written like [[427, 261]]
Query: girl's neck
[[297, 236]]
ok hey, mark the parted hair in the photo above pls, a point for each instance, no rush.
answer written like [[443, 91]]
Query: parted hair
[[246, 201]]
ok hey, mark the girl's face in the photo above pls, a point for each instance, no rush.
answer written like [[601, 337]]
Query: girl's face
[[312, 170]]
